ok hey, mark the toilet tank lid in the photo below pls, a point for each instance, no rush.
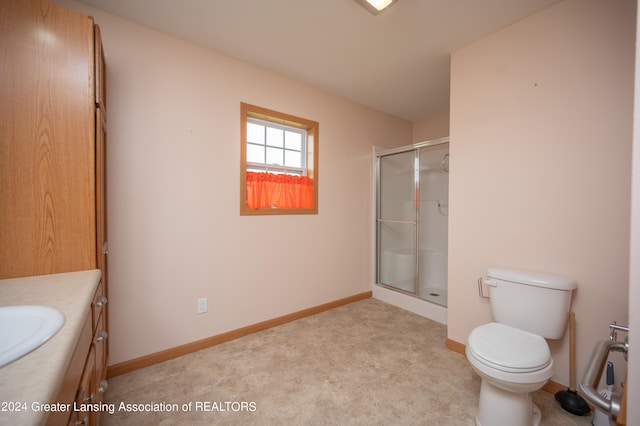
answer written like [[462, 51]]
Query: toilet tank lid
[[538, 279]]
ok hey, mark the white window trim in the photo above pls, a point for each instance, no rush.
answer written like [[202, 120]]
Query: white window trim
[[276, 168]]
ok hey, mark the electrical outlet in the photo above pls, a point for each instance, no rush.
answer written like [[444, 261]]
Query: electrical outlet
[[202, 305]]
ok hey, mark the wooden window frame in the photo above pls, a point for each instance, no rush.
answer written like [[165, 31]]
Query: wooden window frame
[[312, 144]]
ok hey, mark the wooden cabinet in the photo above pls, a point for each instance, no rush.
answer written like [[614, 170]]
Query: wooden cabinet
[[52, 187], [85, 380], [99, 345], [53, 164], [68, 389], [84, 394], [93, 381]]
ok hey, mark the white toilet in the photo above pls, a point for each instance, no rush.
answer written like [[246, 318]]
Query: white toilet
[[511, 354]]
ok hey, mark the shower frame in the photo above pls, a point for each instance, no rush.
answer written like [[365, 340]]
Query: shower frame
[[416, 213]]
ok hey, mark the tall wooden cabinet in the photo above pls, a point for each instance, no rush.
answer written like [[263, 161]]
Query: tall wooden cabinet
[[53, 155]]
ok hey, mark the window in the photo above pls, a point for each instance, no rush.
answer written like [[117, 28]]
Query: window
[[276, 148], [278, 163]]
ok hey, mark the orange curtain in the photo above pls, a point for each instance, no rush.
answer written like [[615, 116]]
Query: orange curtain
[[270, 190]]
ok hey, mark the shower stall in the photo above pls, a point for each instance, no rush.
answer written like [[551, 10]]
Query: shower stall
[[412, 208]]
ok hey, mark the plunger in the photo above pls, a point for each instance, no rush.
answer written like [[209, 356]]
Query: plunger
[[569, 399]]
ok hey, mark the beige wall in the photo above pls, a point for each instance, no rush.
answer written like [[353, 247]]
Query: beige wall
[[175, 233], [431, 128], [540, 148], [541, 120]]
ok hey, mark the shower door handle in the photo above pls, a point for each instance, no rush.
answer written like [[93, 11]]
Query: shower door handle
[[444, 160]]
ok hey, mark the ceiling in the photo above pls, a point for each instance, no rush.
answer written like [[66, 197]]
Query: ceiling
[[396, 62]]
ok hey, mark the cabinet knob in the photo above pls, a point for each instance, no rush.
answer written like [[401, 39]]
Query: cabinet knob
[[101, 301], [89, 398], [102, 336], [104, 385], [82, 422]]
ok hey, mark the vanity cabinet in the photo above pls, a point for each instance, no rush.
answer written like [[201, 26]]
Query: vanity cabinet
[[53, 164], [84, 394], [84, 381], [93, 382], [74, 377]]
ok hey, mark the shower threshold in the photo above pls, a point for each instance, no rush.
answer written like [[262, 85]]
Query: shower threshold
[[432, 294]]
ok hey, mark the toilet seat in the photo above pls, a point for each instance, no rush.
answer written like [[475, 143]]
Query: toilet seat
[[508, 349]]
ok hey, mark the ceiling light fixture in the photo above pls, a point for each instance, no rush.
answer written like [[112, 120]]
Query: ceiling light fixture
[[375, 6]]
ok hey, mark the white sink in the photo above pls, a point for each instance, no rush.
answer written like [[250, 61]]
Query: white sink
[[24, 328]]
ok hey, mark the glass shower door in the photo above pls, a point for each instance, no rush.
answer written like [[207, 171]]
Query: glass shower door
[[397, 220]]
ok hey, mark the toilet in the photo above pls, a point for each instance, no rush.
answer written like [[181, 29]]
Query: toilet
[[511, 354]]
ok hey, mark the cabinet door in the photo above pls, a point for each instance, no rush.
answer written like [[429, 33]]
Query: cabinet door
[[101, 194], [85, 394], [102, 248], [101, 70], [67, 391], [100, 344], [47, 132], [98, 305]]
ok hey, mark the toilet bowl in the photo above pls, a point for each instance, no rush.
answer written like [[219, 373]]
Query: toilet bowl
[[512, 363], [510, 354]]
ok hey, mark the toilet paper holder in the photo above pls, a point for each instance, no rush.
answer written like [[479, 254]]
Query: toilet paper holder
[[482, 281]]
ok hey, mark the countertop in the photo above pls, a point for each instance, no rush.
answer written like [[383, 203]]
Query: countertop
[[32, 380]]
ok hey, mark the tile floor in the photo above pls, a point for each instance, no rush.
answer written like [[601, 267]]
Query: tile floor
[[366, 363]]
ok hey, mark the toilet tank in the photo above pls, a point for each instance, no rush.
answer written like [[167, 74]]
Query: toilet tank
[[537, 302]]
